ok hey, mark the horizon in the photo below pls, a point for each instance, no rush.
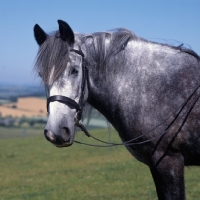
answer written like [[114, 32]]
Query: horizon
[[171, 22]]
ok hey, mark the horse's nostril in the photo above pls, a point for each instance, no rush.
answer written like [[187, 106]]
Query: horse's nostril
[[45, 131], [66, 130], [66, 134], [49, 135]]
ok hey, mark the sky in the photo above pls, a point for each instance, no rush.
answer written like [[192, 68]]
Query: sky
[[172, 21]]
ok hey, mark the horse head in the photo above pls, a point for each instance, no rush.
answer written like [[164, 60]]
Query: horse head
[[60, 64]]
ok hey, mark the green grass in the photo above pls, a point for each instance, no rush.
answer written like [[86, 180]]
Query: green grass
[[33, 169]]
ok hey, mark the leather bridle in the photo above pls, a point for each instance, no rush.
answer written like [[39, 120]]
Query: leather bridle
[[68, 101]]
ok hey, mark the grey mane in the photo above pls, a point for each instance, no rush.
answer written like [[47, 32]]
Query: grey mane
[[100, 51], [104, 46]]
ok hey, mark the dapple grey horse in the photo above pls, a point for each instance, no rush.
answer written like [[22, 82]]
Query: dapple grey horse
[[148, 91]]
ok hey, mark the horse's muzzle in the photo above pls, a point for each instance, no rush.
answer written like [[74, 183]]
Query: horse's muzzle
[[61, 140]]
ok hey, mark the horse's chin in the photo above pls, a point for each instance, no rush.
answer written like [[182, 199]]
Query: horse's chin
[[63, 145]]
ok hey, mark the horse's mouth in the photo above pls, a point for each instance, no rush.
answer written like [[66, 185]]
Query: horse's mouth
[[59, 142], [65, 139], [63, 145]]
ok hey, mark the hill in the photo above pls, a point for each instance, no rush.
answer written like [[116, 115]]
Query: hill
[[10, 93]]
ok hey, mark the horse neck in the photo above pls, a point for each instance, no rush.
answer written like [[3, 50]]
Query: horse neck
[[101, 97], [106, 94], [115, 85]]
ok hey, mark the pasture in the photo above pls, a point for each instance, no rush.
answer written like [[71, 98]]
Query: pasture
[[26, 106], [33, 169]]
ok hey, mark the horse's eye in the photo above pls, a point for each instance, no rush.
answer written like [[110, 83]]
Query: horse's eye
[[74, 71]]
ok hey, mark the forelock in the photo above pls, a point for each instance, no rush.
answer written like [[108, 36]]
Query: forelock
[[53, 53]]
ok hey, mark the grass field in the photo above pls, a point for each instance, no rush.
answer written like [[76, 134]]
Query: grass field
[[33, 169]]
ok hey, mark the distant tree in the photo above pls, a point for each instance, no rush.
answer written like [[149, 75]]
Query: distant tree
[[14, 106]]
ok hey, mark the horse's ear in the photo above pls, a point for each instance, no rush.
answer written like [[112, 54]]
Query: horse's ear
[[66, 32], [40, 35]]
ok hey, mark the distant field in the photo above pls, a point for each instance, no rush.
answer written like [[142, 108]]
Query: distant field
[[33, 169], [13, 91], [27, 106]]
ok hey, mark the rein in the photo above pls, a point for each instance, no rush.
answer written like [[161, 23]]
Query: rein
[[131, 142]]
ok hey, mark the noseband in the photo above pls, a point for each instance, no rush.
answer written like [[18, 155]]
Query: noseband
[[70, 102]]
